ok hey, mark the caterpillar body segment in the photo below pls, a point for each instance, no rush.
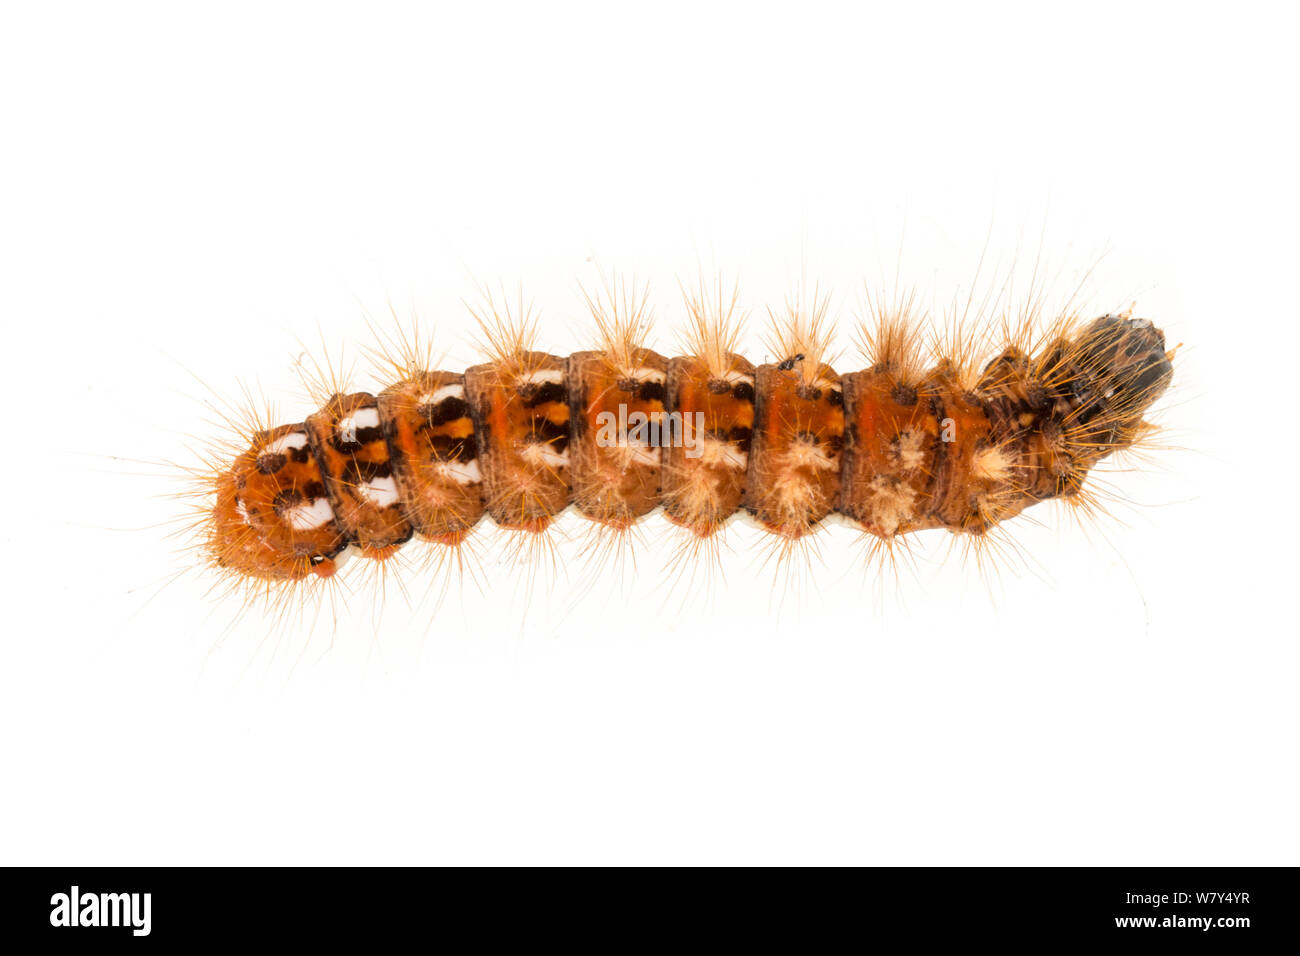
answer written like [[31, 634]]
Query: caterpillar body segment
[[616, 482], [976, 468], [702, 491], [348, 440], [520, 411], [434, 450], [793, 478], [621, 431], [892, 451]]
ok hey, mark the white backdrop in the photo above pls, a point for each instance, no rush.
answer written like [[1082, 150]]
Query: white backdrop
[[192, 198]]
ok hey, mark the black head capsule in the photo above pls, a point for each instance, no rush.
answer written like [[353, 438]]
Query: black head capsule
[[1125, 361]]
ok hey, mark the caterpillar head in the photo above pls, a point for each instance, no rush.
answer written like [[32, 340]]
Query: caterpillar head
[[1104, 379], [272, 518], [1126, 361]]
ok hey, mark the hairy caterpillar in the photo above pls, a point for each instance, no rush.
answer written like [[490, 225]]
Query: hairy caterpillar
[[960, 441]]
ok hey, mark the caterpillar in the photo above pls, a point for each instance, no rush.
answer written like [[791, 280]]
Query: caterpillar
[[938, 434]]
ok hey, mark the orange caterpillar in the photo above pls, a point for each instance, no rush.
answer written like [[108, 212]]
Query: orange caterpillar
[[621, 431]]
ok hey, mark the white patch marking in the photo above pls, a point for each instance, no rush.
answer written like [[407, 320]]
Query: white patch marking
[[911, 449], [992, 464], [308, 517], [809, 454], [892, 504], [722, 454], [366, 417], [640, 453], [447, 391], [541, 452], [380, 491], [361, 418], [644, 374], [549, 376], [293, 440], [732, 377], [463, 473]]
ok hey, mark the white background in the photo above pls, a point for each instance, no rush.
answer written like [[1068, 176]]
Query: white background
[[191, 199]]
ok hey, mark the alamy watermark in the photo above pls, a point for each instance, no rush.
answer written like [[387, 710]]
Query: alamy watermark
[[675, 430], [102, 909], [653, 430]]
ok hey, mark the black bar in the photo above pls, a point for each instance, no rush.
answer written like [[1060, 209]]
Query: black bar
[[1225, 908]]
